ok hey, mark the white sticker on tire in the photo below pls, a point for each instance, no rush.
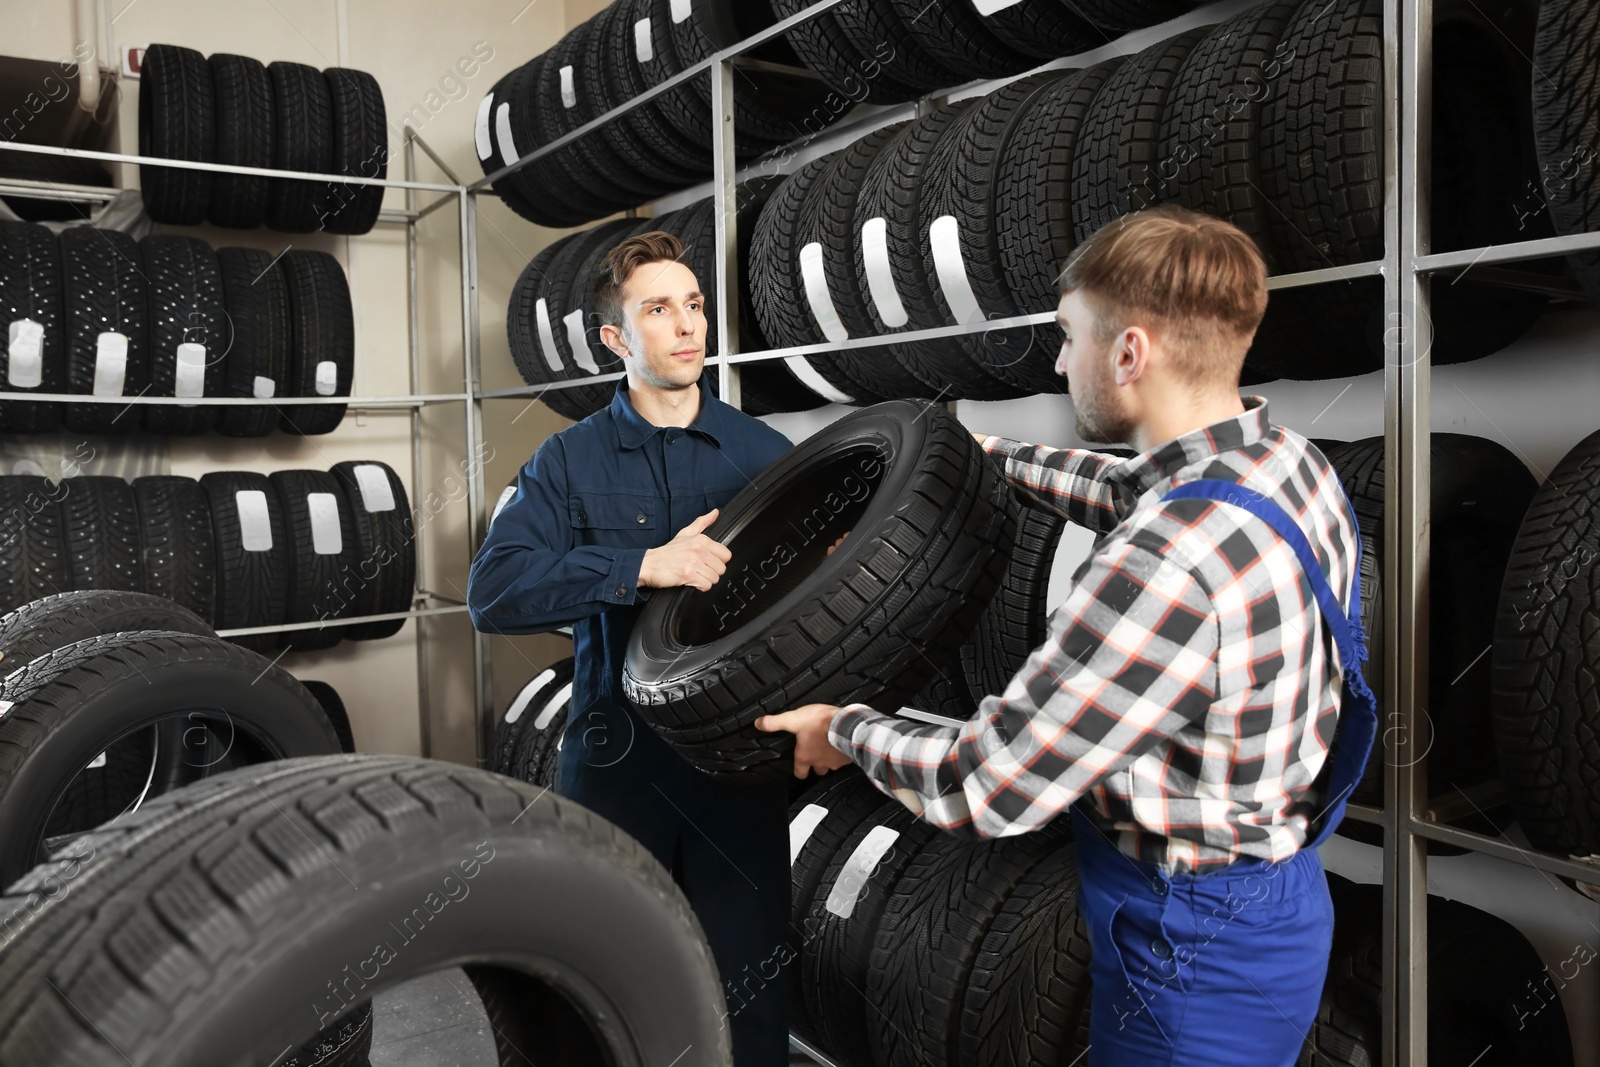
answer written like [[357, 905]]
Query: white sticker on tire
[[578, 341], [189, 370], [263, 388], [816, 282], [500, 505], [547, 338], [26, 354], [857, 870], [815, 382], [801, 826], [6, 705], [989, 7], [555, 704], [569, 95], [642, 45], [327, 539], [880, 278], [529, 691], [255, 524], [373, 481], [480, 128], [502, 131], [944, 239], [327, 377], [110, 363], [680, 10]]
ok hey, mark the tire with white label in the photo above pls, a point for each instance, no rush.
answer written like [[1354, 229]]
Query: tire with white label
[[106, 327], [245, 133], [302, 140], [539, 739], [385, 548], [548, 190], [959, 238], [100, 533], [360, 149], [317, 520], [256, 360], [611, 967], [526, 711], [586, 354], [322, 334], [829, 220], [931, 933], [838, 932], [53, 622], [643, 136], [559, 108], [162, 708], [32, 317], [532, 329], [562, 291], [252, 544], [177, 120], [1118, 154], [32, 557], [820, 821], [769, 385], [188, 331], [893, 192], [792, 622], [179, 547], [1029, 988]]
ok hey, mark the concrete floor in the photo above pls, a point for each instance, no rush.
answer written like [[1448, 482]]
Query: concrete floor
[[437, 1021]]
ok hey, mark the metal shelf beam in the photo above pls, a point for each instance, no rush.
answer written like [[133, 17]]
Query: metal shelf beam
[[290, 627], [238, 401]]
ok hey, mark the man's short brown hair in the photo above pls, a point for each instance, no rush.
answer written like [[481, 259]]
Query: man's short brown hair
[[655, 246], [1198, 282]]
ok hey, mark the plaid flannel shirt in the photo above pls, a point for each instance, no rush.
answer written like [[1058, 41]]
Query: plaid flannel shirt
[[1187, 686]]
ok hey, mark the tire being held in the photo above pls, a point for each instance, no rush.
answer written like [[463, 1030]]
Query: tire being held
[[790, 623]]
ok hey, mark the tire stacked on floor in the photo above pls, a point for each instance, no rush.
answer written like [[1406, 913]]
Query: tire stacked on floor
[[263, 841], [527, 740], [968, 952], [237, 549], [629, 47], [97, 313], [553, 326], [234, 111]]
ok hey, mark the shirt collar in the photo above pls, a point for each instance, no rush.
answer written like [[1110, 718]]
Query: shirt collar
[[1148, 469], [633, 429]]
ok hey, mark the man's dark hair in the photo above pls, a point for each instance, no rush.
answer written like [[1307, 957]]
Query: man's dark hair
[[655, 246]]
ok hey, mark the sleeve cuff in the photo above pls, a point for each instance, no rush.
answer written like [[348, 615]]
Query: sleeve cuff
[[842, 730], [622, 584]]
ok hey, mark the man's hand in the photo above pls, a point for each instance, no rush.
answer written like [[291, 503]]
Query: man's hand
[[691, 558], [812, 750]]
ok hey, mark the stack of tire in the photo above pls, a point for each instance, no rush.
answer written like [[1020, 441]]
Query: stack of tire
[[967, 214], [665, 144], [286, 116], [236, 548], [527, 741], [553, 327], [97, 313], [1566, 109], [920, 947], [1480, 493]]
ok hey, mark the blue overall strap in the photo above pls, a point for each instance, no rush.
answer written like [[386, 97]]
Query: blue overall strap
[[1358, 718]]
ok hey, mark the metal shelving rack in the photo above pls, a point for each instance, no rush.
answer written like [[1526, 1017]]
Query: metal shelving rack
[[1409, 818], [425, 603]]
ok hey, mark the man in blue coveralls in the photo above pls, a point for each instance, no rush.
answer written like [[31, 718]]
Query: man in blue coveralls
[[604, 512], [1185, 702]]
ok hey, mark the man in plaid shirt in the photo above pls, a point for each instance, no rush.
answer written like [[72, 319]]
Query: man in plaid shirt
[[1186, 697]]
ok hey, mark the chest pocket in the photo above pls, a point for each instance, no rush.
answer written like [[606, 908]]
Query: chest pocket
[[621, 520]]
